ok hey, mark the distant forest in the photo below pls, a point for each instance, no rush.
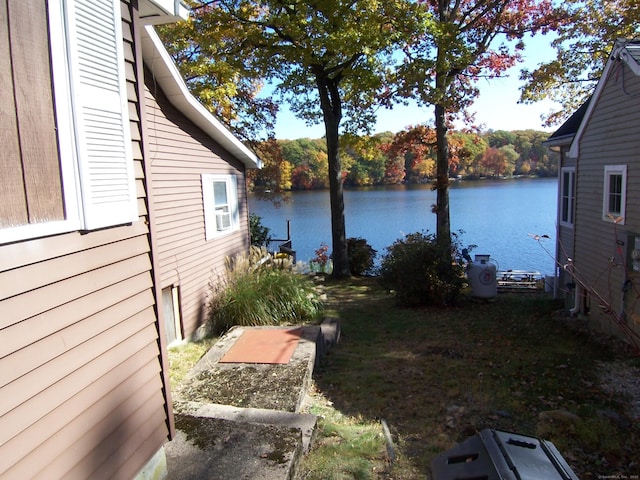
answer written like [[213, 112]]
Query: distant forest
[[406, 157]]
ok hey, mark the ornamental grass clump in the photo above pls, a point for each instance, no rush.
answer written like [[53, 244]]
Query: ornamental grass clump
[[260, 290], [419, 272]]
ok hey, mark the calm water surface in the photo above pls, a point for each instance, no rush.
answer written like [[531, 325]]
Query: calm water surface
[[498, 216]]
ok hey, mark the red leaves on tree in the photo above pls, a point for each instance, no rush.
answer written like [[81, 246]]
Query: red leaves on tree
[[417, 145]]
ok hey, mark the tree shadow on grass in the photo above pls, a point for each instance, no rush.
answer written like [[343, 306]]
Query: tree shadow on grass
[[438, 376]]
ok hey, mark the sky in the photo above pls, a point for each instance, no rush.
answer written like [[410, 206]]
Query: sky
[[496, 108]]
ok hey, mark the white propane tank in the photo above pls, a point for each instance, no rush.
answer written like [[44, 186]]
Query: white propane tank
[[482, 277]]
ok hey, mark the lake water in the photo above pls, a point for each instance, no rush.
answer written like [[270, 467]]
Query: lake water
[[499, 216]]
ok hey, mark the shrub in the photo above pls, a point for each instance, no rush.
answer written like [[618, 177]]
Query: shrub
[[361, 256], [259, 233], [260, 290], [420, 273], [321, 263]]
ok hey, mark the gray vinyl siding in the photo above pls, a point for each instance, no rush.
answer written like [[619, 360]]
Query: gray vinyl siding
[[611, 137], [565, 233], [565, 242], [180, 153], [81, 390]]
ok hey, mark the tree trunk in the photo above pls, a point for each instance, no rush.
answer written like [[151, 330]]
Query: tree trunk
[[332, 113], [443, 221]]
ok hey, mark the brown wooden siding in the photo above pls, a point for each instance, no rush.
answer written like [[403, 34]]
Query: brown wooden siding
[[180, 153], [81, 390], [610, 138]]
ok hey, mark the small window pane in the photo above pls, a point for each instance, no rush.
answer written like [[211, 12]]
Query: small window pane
[[615, 193], [567, 198], [220, 193], [614, 198]]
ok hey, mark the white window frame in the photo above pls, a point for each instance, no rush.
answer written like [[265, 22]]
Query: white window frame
[[96, 165], [607, 214], [213, 226], [567, 211]]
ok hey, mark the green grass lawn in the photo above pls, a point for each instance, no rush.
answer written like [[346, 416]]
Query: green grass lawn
[[439, 376], [184, 356]]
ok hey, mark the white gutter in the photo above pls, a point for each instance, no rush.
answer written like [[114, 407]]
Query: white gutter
[[156, 12], [167, 76], [559, 141], [623, 52]]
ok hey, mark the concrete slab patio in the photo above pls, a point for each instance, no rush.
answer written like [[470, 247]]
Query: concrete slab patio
[[244, 420]]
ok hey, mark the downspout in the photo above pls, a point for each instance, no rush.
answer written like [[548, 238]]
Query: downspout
[[577, 305], [576, 300], [556, 270]]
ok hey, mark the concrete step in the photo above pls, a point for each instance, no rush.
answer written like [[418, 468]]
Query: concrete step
[[305, 422], [265, 438], [206, 448]]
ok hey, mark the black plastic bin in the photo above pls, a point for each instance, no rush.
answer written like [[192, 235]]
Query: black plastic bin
[[498, 455]]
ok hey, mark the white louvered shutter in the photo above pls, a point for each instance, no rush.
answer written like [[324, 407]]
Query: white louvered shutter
[[99, 97]]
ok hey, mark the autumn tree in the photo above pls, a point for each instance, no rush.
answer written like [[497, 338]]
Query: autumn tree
[[466, 40], [327, 59], [273, 180], [203, 50], [500, 138], [583, 44], [302, 178], [368, 160], [493, 162], [393, 169], [471, 149], [416, 146], [300, 150]]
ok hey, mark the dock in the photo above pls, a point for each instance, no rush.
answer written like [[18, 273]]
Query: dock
[[519, 280]]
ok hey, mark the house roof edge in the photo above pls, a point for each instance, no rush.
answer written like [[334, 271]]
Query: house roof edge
[[623, 50], [166, 74]]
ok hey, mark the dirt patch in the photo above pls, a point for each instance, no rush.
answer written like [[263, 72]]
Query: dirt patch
[[620, 378], [276, 387]]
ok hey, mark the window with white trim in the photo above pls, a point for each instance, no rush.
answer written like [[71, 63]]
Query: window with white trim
[[615, 193], [567, 196], [87, 179], [220, 199]]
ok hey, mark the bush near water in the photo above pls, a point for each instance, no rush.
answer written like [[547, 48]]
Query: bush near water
[[419, 272], [361, 256]]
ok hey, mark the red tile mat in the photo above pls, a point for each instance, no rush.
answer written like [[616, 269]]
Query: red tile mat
[[272, 345]]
